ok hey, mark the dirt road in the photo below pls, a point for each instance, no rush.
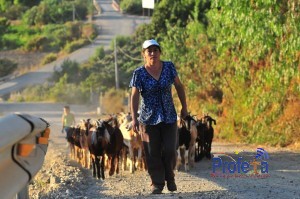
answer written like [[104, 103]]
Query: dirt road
[[61, 177]]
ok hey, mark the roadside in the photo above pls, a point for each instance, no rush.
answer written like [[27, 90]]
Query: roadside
[[27, 61]]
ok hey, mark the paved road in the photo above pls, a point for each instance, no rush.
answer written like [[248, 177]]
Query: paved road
[[110, 24], [49, 111]]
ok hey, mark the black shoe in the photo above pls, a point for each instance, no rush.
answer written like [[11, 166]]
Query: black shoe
[[171, 186], [156, 189]]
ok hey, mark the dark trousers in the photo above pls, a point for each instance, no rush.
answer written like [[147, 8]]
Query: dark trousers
[[159, 143]]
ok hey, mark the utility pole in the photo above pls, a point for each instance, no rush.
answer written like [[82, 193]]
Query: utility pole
[[116, 66], [73, 12]]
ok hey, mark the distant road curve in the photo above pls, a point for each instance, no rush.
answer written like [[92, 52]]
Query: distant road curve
[[110, 24]]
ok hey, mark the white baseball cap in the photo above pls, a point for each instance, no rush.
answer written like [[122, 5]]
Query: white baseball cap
[[150, 42]]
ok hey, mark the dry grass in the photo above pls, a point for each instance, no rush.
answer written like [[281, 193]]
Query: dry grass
[[112, 101]]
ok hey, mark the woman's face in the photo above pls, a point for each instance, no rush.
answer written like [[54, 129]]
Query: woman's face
[[152, 55]]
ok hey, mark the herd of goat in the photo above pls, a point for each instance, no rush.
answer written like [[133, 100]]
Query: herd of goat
[[104, 143]]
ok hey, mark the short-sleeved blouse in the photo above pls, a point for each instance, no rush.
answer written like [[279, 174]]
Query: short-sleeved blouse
[[157, 103]]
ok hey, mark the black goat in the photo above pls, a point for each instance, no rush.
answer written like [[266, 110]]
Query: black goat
[[204, 138]]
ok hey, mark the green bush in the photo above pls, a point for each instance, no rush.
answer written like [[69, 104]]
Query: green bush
[[38, 43], [15, 12], [58, 12], [60, 92], [58, 35], [16, 97], [98, 55], [51, 37], [4, 24], [18, 35], [49, 58], [72, 70], [67, 93], [132, 6], [73, 30], [81, 8], [11, 42], [34, 93], [4, 4], [29, 17], [72, 46]]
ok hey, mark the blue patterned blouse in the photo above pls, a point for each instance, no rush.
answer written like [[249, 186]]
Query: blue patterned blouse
[[157, 102]]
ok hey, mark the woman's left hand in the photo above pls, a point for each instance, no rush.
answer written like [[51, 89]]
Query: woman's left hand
[[183, 113]]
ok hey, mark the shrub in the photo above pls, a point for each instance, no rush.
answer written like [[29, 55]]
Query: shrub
[[67, 93], [73, 30], [34, 93], [18, 35], [98, 55], [16, 97], [89, 31], [4, 24], [30, 15], [57, 12], [7, 67], [132, 6], [57, 33], [72, 46], [15, 12], [10, 42], [38, 43], [49, 58]]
